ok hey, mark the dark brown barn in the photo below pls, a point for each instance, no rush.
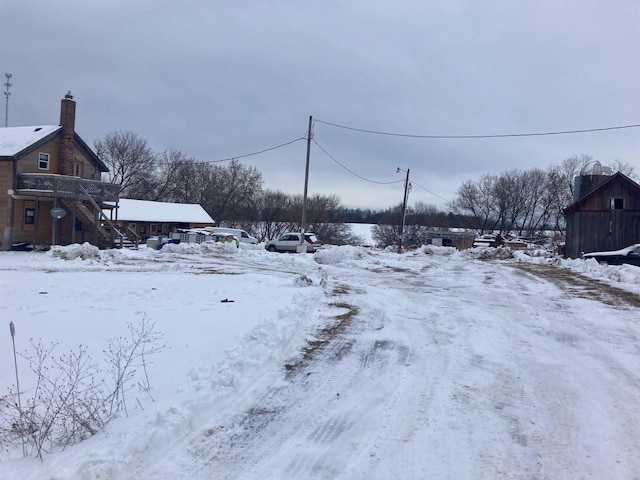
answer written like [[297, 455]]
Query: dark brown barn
[[606, 216]]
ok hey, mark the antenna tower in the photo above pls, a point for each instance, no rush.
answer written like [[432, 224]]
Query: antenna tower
[[7, 94]]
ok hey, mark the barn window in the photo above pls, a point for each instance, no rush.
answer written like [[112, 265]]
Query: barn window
[[616, 203]]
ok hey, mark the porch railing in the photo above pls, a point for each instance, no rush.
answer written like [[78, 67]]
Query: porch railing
[[67, 186]]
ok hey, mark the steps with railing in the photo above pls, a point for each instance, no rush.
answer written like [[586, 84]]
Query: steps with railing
[[87, 217], [110, 237]]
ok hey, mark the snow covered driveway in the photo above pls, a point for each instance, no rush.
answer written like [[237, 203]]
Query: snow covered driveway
[[416, 366], [483, 371]]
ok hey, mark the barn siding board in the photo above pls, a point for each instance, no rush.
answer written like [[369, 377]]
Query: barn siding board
[[593, 226]]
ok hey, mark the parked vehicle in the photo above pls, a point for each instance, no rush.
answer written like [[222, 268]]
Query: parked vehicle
[[629, 255], [242, 235], [226, 238], [289, 242], [201, 235]]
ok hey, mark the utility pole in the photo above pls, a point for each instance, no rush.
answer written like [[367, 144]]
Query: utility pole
[[306, 185], [7, 94], [404, 208]]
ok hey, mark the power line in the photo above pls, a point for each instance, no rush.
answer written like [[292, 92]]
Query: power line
[[351, 171], [502, 135], [429, 191], [372, 181], [255, 153]]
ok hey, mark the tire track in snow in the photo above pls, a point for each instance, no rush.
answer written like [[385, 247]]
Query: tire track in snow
[[543, 426], [468, 375], [247, 439], [580, 286], [580, 350]]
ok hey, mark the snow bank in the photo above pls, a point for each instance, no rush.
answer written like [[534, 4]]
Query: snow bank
[[623, 276], [426, 343], [490, 253], [86, 251], [334, 255], [435, 250], [201, 248]]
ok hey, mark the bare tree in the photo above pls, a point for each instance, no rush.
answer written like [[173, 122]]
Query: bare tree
[[533, 184], [571, 167], [624, 168], [527, 202], [325, 217], [232, 192], [555, 198], [130, 160], [509, 198], [274, 208], [417, 229], [192, 183], [386, 232], [477, 201], [168, 175], [427, 215]]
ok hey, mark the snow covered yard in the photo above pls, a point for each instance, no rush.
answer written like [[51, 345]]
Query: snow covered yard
[[350, 363]]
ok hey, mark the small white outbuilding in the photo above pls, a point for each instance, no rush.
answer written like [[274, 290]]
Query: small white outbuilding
[[148, 218]]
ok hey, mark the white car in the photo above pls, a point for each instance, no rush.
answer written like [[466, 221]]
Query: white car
[[289, 242]]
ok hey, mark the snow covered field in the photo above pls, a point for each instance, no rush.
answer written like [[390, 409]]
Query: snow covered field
[[349, 364]]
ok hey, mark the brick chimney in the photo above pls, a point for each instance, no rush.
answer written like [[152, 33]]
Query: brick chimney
[[68, 123]]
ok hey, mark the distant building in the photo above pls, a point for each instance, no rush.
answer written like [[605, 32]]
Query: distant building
[[605, 214], [147, 218], [48, 171]]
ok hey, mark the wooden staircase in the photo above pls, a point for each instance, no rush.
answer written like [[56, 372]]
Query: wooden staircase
[[87, 217], [105, 238]]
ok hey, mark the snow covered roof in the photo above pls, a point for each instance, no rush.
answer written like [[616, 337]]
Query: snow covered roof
[[160, 212], [14, 140]]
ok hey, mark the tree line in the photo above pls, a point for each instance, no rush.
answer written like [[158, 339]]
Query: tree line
[[232, 193], [527, 202]]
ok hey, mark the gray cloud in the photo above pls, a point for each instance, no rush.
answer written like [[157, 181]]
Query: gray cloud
[[219, 79]]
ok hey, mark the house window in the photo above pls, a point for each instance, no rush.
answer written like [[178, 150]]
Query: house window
[[616, 203], [77, 169], [29, 216], [43, 161]]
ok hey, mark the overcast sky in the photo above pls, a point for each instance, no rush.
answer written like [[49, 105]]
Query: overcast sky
[[222, 79]]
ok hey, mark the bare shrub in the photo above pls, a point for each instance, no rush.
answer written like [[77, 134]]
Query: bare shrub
[[125, 355], [70, 400]]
